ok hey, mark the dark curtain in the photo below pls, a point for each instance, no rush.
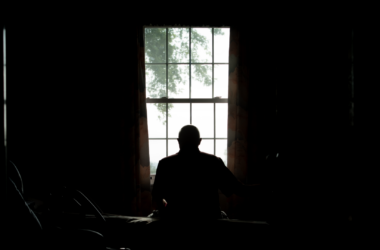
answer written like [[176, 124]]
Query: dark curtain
[[251, 115], [238, 113], [136, 135]]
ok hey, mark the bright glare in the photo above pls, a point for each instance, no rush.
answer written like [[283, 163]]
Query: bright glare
[[202, 114]]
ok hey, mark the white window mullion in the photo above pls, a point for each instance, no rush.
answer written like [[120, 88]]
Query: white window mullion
[[167, 89]]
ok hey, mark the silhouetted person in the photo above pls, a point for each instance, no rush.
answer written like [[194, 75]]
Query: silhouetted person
[[187, 183]]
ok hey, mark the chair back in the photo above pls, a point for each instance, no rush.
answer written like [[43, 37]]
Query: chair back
[[15, 175]]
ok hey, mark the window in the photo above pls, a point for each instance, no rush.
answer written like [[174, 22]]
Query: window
[[186, 83]]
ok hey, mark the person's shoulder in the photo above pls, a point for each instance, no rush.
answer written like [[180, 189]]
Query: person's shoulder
[[207, 154], [210, 156], [169, 158]]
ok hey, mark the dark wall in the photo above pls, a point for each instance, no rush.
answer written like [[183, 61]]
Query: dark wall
[[67, 101], [314, 126], [302, 70]]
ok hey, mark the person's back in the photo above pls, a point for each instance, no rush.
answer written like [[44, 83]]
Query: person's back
[[189, 180], [193, 177]]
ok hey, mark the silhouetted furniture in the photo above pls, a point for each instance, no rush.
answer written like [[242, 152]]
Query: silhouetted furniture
[[182, 233], [15, 175], [26, 231]]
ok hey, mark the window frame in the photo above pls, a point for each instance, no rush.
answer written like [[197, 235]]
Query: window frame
[[189, 100]]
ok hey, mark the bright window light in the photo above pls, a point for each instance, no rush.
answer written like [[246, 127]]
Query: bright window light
[[186, 83]]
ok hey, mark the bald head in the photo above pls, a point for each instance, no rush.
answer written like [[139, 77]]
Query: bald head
[[189, 137]]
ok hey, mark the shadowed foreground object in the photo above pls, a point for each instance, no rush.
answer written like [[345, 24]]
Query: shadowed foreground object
[[24, 229]]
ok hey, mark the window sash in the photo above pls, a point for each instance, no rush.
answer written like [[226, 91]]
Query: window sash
[[165, 100], [184, 63]]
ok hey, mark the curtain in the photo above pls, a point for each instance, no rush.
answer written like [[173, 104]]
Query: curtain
[[143, 174], [237, 153], [136, 170], [237, 106], [251, 114]]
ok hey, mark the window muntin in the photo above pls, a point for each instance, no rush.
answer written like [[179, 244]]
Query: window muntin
[[186, 83]]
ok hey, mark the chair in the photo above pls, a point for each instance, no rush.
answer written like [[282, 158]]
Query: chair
[[26, 230]]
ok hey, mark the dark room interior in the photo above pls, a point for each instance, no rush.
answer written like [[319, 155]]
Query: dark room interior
[[71, 120]]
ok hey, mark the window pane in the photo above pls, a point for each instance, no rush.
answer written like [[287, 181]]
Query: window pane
[[157, 151], [173, 147], [207, 146], [178, 81], [221, 150], [155, 45], [178, 50], [179, 116], [221, 45], [221, 111], [156, 120], [201, 84], [201, 45], [155, 76], [221, 80], [203, 118]]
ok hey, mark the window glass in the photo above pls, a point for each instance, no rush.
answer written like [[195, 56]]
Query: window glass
[[201, 84], [156, 120], [221, 149], [178, 45], [221, 80], [173, 147], [207, 146], [155, 78], [201, 45], [179, 116], [221, 111], [157, 151], [155, 45], [203, 118], [178, 85], [221, 45]]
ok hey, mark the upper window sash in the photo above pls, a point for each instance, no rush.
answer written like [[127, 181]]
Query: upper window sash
[[185, 63], [179, 26], [186, 100], [214, 98]]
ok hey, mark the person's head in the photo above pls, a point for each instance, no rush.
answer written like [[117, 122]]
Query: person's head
[[189, 137]]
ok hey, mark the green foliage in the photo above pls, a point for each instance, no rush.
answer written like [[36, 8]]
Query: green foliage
[[218, 31], [155, 52], [161, 107], [201, 74]]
